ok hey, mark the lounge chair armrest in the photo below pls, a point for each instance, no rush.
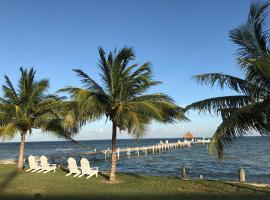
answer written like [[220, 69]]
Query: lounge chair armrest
[[53, 165], [94, 168]]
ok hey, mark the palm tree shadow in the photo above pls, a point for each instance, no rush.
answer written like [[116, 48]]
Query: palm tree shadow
[[7, 180], [104, 175]]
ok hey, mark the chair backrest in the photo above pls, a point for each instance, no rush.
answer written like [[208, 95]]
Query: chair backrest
[[72, 165], [44, 161], [32, 162], [85, 166]]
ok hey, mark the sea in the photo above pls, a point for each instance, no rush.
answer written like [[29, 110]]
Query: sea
[[250, 153]]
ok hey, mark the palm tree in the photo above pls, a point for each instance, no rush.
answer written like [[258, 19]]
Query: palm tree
[[29, 107], [249, 110], [122, 98]]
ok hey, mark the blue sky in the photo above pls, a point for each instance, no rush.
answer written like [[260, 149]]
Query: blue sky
[[180, 39]]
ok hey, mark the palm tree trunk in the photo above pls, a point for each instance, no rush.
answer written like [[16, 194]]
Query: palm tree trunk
[[113, 165], [21, 155]]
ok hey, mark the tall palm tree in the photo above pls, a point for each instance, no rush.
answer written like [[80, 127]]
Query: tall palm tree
[[249, 110], [28, 107], [122, 98]]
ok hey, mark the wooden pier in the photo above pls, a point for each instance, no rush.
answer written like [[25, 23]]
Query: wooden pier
[[161, 147]]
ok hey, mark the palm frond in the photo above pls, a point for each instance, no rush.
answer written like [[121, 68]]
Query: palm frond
[[222, 80], [10, 85], [88, 82], [251, 36], [243, 121], [8, 131], [105, 69], [55, 127], [217, 104], [123, 57]]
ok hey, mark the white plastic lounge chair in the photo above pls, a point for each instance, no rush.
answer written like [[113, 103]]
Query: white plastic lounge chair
[[45, 166], [33, 164], [86, 170], [73, 168]]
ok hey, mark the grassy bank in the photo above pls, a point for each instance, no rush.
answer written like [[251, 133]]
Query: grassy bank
[[25, 185]]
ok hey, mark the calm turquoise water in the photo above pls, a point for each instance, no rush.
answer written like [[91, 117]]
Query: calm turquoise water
[[252, 153]]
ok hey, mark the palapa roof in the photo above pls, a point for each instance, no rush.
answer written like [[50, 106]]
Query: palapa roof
[[189, 135]]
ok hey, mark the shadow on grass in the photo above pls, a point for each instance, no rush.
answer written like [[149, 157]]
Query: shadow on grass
[[106, 176], [5, 183], [136, 196]]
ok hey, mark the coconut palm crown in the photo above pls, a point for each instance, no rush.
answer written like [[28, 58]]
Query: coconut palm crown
[[121, 98], [29, 107], [249, 111]]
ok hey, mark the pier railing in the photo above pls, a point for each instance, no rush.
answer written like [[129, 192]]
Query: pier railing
[[161, 147]]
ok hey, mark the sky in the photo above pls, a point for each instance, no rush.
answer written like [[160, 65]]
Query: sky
[[180, 38]]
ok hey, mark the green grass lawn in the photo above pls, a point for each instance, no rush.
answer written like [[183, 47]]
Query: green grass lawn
[[26, 185]]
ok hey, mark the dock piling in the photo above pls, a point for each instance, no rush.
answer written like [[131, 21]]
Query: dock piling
[[183, 172], [105, 154], [242, 175]]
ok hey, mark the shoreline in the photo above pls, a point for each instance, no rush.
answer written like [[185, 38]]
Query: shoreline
[[8, 161], [12, 162]]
